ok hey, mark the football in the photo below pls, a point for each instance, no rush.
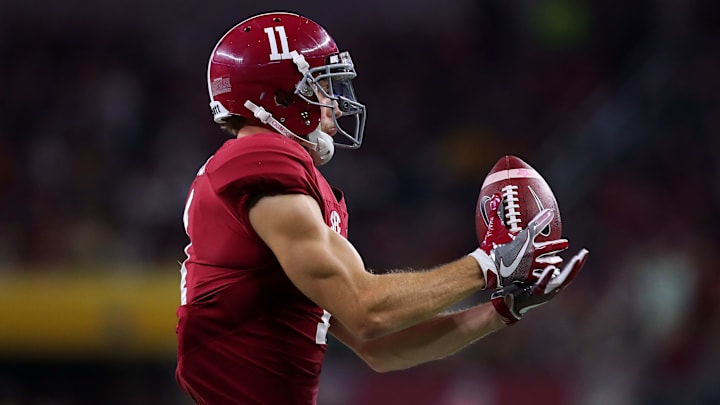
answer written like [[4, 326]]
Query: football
[[524, 193]]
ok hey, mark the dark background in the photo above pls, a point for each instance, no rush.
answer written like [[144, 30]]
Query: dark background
[[104, 122]]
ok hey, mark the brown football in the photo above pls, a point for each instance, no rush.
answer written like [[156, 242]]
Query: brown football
[[524, 193]]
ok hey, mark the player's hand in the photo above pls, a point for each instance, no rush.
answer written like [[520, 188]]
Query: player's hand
[[505, 258], [513, 301]]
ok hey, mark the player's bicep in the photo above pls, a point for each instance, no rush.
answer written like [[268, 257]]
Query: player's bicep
[[321, 263]]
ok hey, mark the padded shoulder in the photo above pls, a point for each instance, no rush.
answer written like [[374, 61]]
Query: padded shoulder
[[263, 162]]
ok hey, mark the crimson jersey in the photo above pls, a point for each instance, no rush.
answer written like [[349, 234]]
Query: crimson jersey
[[246, 334]]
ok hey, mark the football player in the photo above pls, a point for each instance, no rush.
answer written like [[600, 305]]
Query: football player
[[269, 271]]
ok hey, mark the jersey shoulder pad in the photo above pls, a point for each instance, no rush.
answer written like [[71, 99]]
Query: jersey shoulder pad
[[263, 162]]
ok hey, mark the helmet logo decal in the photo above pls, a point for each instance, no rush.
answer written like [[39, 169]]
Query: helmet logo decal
[[221, 85], [284, 47]]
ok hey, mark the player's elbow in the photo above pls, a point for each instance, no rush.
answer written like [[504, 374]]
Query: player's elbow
[[380, 366], [368, 328], [383, 362], [371, 323], [370, 319], [378, 319]]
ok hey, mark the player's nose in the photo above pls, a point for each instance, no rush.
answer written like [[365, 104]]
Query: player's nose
[[336, 109]]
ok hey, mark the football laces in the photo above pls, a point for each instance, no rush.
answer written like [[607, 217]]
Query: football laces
[[511, 207]]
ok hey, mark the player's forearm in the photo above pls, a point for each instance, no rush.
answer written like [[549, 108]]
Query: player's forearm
[[396, 301], [434, 339], [371, 305]]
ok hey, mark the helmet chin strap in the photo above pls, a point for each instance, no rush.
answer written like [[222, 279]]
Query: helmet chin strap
[[319, 144], [324, 148]]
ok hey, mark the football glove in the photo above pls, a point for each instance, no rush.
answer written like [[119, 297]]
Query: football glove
[[505, 258], [513, 301]]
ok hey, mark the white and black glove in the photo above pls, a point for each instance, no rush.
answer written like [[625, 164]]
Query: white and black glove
[[514, 300]]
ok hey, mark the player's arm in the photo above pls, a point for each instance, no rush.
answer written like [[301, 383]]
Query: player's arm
[[445, 334], [329, 271], [433, 339]]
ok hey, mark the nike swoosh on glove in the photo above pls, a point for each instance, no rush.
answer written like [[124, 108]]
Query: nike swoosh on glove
[[505, 258]]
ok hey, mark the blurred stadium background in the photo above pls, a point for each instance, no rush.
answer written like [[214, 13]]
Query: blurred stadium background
[[104, 122]]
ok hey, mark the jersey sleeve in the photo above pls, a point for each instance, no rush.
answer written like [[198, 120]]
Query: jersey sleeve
[[263, 163]]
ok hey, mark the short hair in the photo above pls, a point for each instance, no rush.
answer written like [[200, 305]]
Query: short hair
[[233, 124]]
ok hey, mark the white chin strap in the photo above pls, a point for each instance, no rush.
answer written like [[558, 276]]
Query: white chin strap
[[319, 144], [324, 148]]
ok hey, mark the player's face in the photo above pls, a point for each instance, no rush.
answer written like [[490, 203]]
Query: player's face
[[327, 122]]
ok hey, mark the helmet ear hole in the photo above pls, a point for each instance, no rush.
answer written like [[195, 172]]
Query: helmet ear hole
[[283, 99]]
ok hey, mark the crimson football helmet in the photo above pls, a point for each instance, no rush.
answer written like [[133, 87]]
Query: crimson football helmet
[[268, 69]]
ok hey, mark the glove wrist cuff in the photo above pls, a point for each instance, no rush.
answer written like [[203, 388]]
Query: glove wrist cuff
[[503, 310], [487, 267]]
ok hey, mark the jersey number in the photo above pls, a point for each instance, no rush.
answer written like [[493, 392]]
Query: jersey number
[[274, 54]]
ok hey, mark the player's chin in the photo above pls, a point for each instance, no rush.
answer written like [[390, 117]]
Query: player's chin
[[330, 130]]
